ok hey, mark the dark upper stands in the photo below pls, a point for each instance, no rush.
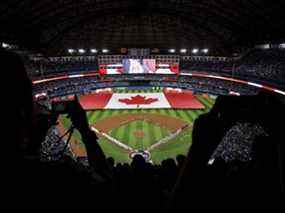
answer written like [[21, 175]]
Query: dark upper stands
[[263, 64], [257, 65], [64, 65], [207, 64]]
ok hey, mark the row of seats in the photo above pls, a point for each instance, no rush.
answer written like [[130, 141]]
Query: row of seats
[[264, 65], [87, 85]]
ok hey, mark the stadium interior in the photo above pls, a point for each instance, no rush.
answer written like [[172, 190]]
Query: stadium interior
[[142, 104]]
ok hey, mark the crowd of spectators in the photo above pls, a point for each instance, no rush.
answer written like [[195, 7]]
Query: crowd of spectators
[[27, 181], [263, 64], [148, 182], [215, 86], [238, 142], [238, 160], [89, 84], [54, 147], [64, 65], [233, 160], [207, 64]]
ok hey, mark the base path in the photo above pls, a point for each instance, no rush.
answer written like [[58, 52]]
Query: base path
[[113, 140], [168, 138]]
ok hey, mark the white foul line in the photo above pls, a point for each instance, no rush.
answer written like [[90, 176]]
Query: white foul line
[[113, 140]]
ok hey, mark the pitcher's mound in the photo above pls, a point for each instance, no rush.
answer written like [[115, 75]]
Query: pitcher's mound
[[139, 134]]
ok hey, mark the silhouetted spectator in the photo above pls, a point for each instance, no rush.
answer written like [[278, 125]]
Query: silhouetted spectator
[[180, 160], [233, 155], [26, 181]]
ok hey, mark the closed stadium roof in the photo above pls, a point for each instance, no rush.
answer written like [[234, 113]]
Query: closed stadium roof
[[55, 26]]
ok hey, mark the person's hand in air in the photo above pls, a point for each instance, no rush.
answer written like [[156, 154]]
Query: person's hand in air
[[96, 156], [78, 117]]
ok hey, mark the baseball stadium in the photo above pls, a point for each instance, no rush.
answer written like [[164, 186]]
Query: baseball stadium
[[160, 104]]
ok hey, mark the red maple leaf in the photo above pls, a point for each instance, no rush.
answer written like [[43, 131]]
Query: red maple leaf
[[138, 100]]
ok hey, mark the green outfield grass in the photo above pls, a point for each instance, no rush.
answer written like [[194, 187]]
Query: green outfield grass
[[152, 133]]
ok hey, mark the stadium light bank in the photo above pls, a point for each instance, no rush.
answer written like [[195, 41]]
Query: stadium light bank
[[81, 51], [195, 51], [205, 51], [71, 51], [94, 51]]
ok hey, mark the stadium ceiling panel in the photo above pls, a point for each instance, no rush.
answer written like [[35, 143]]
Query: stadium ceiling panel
[[54, 26]]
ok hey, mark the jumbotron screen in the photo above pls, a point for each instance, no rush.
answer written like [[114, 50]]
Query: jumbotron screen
[[137, 66]]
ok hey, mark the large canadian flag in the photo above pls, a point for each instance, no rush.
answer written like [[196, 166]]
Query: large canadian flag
[[138, 101], [162, 100]]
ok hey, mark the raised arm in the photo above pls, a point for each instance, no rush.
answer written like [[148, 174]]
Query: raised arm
[[95, 154]]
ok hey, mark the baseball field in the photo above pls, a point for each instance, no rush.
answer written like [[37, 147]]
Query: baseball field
[[162, 133]]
